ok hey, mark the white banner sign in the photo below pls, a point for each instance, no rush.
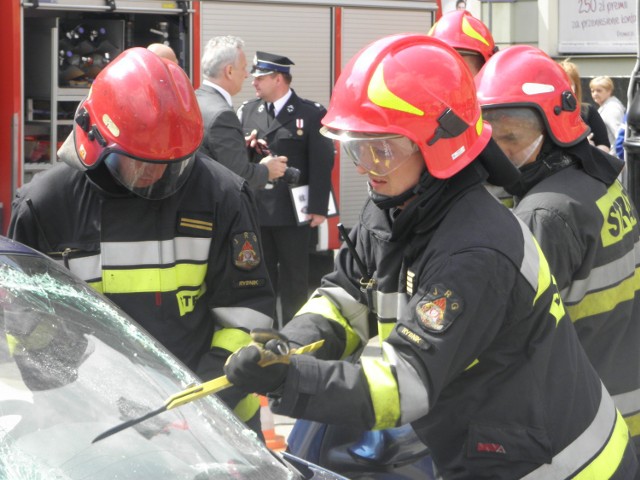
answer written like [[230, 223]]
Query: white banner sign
[[597, 26]]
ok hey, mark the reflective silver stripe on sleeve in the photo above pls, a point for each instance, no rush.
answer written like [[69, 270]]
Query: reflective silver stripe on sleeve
[[164, 252], [87, 268], [414, 397], [575, 455], [355, 312], [602, 277], [628, 402], [531, 259], [389, 305], [241, 317]]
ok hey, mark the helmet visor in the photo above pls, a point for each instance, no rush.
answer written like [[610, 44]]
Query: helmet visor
[[377, 154], [152, 180], [518, 131]]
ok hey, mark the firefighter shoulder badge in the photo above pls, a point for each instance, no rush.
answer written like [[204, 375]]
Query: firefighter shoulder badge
[[438, 309], [246, 253]]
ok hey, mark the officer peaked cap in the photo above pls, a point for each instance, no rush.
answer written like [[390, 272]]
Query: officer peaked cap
[[265, 63]]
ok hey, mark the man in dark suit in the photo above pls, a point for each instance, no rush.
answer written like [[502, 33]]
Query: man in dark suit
[[224, 66], [292, 128]]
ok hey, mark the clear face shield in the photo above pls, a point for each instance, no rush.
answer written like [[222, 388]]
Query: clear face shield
[[378, 154], [518, 131], [153, 180]]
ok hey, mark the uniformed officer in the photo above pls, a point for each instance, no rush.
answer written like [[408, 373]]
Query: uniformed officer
[[479, 355], [161, 230], [289, 126], [580, 214]]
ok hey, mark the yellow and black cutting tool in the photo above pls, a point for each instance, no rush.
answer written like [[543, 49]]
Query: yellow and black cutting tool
[[195, 392]]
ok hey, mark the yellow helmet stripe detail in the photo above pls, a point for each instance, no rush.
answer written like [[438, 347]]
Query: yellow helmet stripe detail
[[468, 30], [380, 95], [479, 125]]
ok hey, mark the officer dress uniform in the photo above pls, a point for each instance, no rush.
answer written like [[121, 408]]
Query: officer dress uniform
[[588, 228], [164, 262], [294, 133], [479, 355]]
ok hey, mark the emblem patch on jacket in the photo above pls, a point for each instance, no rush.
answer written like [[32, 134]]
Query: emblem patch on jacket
[[246, 252], [438, 309]]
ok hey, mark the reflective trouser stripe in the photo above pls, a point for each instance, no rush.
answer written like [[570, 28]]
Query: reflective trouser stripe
[[230, 339], [605, 300], [322, 306], [383, 389], [247, 407], [596, 453], [142, 280]]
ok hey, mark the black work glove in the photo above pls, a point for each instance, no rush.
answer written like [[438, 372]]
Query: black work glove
[[262, 366]]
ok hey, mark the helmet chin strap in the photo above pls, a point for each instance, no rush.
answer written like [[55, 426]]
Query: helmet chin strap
[[386, 202]]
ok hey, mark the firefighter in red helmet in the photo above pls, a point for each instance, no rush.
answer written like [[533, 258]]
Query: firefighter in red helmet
[[478, 354], [135, 211], [469, 36], [579, 212]]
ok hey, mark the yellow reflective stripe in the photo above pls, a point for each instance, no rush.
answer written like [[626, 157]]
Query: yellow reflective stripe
[[472, 364], [230, 339], [12, 343], [383, 389], [322, 306], [544, 273], [385, 329], [605, 300], [633, 422], [247, 407], [468, 30], [140, 280], [380, 95], [607, 462], [97, 286], [618, 216]]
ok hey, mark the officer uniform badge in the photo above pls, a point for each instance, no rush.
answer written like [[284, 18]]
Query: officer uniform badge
[[438, 309], [261, 108], [246, 251], [300, 126], [290, 108]]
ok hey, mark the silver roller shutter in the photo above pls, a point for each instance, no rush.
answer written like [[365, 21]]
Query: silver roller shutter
[[302, 33], [361, 26]]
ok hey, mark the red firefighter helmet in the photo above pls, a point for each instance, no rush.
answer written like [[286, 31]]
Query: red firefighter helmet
[[463, 31], [413, 86], [141, 112], [525, 76]]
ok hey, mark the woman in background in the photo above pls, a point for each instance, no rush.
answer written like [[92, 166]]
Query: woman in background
[[588, 112], [611, 109]]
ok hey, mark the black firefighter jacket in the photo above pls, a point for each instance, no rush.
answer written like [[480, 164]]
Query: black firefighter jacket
[[167, 263], [479, 355]]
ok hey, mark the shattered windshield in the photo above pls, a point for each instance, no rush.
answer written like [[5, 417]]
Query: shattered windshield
[[72, 365]]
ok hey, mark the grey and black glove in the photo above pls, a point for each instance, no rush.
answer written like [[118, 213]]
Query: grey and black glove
[[262, 366]]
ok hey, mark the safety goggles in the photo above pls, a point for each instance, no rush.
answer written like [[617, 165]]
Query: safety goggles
[[519, 132], [150, 179], [378, 154]]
